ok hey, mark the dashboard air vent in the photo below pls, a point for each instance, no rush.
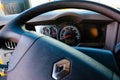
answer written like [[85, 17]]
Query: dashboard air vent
[[10, 45]]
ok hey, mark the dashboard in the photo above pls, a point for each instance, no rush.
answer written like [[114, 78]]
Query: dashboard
[[73, 27]]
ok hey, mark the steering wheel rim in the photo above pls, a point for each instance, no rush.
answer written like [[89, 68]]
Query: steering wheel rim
[[11, 30], [14, 30]]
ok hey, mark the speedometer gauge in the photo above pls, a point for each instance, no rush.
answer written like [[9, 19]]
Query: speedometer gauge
[[70, 35]]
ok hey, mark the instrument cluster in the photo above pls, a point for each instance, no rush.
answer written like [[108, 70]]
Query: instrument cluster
[[75, 35]]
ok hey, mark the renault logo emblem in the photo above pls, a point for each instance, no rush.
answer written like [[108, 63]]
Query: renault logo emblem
[[61, 69]]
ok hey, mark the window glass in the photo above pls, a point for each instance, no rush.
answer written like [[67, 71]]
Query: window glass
[[8, 7]]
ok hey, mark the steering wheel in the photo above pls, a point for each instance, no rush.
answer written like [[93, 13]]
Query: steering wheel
[[38, 57]]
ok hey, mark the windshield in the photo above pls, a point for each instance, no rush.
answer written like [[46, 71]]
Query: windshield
[[8, 7], [112, 3]]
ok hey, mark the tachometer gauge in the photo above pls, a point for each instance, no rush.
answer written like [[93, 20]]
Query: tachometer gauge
[[70, 35]]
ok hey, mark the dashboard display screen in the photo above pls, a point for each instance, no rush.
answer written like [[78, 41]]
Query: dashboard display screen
[[93, 33]]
